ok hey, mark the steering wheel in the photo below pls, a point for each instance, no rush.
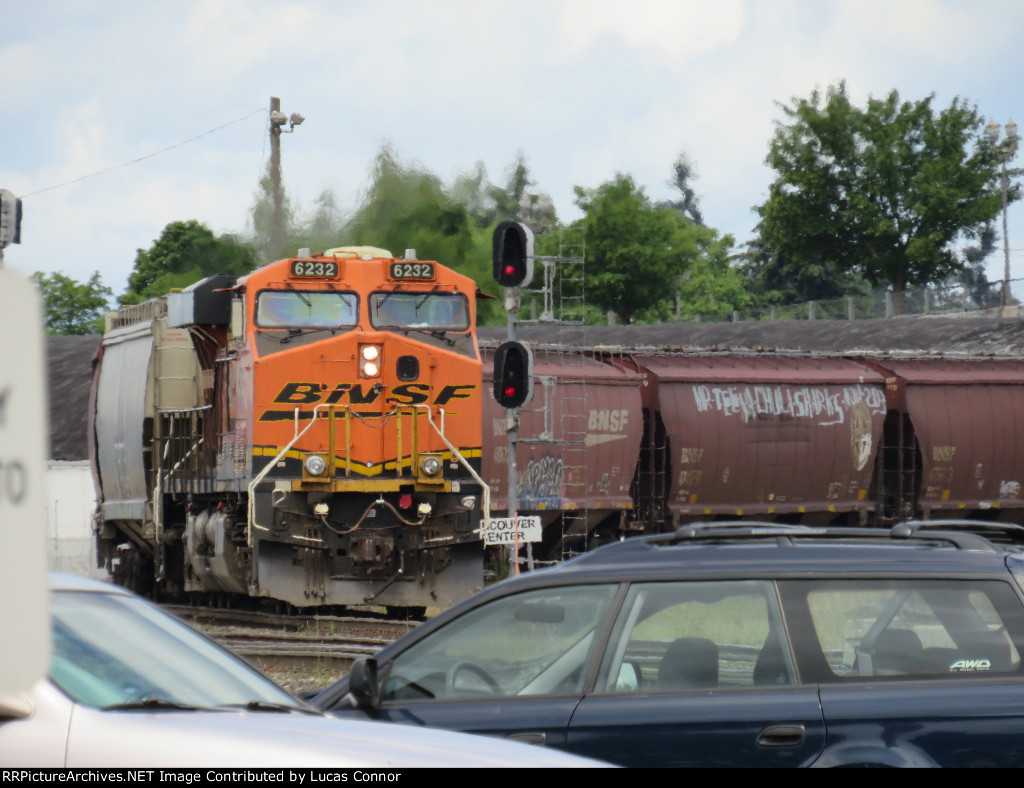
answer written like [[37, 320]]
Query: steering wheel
[[476, 670]]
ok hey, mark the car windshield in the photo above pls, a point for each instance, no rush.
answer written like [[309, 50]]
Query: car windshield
[[305, 309], [113, 650], [435, 311], [535, 643]]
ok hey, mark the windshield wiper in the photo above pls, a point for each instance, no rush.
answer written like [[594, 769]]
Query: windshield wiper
[[294, 332], [303, 298], [436, 333], [153, 703], [259, 705]]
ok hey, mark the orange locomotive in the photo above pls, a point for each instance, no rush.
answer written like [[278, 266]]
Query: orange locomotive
[[310, 432]]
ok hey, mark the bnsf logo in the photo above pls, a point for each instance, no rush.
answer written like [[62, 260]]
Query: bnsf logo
[[406, 394], [608, 420]]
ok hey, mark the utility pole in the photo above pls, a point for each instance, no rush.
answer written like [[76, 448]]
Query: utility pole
[[277, 121], [1004, 151], [10, 221]]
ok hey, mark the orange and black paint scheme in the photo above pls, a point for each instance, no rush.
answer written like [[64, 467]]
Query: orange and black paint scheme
[[340, 417]]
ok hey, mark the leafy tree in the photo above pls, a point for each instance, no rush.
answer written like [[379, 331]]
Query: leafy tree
[[886, 191], [688, 204], [71, 307], [407, 207], [263, 236], [184, 253], [473, 190], [489, 203], [712, 287], [776, 279], [637, 256]]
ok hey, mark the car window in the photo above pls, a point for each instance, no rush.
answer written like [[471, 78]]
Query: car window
[[697, 635], [885, 628], [111, 649], [535, 643]]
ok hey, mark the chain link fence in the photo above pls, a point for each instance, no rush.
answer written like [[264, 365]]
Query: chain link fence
[[987, 300]]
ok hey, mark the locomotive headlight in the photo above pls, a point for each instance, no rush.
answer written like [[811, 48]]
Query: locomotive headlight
[[315, 465], [430, 466], [369, 361]]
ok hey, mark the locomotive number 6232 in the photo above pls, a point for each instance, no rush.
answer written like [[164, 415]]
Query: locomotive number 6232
[[412, 270], [314, 268]]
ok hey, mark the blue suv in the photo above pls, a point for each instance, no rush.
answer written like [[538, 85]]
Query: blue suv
[[733, 644]]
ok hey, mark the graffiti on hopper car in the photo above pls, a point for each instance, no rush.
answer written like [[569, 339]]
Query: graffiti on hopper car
[[825, 405], [541, 482]]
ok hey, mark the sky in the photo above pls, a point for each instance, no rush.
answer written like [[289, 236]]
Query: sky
[[126, 115]]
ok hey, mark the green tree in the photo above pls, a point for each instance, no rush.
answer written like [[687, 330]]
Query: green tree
[[886, 191], [262, 235], [71, 307], [489, 203], [712, 287], [776, 279], [184, 253], [638, 255], [687, 203], [407, 207]]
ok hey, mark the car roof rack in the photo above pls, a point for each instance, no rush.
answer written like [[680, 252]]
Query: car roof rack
[[920, 531], [1006, 534]]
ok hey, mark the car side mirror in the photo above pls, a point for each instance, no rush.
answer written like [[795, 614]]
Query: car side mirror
[[362, 683], [15, 706]]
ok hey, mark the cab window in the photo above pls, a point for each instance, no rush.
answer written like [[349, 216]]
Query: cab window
[[435, 311], [535, 643], [306, 309], [673, 637]]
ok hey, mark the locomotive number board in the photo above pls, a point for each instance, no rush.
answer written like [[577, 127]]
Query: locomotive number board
[[406, 270], [314, 268]]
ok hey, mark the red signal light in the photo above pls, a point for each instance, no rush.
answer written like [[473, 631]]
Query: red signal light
[[512, 254]]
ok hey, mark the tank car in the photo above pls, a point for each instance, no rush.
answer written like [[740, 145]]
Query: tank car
[[308, 433]]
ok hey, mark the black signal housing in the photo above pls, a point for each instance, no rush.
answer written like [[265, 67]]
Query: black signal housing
[[513, 374], [513, 254]]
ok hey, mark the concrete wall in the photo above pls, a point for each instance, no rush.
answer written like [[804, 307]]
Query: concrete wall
[[70, 503]]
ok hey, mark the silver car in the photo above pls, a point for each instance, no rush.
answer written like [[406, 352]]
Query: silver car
[[131, 686]]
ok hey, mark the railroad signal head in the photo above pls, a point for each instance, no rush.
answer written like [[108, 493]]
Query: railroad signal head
[[513, 254], [513, 374]]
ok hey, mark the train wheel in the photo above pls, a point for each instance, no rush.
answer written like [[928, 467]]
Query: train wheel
[[134, 571]]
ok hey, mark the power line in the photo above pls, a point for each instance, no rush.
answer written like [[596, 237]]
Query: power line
[[147, 156]]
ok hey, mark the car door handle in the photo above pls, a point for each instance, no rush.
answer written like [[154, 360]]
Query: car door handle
[[530, 737], [782, 736]]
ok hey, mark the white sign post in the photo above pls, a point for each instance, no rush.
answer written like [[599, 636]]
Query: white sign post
[[502, 530], [24, 439]]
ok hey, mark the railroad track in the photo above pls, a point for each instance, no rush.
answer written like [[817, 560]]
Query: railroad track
[[276, 642]]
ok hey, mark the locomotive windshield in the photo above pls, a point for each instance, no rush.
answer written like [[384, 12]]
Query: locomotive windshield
[[445, 311], [306, 309]]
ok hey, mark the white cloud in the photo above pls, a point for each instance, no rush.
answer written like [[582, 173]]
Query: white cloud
[[671, 32], [223, 39]]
